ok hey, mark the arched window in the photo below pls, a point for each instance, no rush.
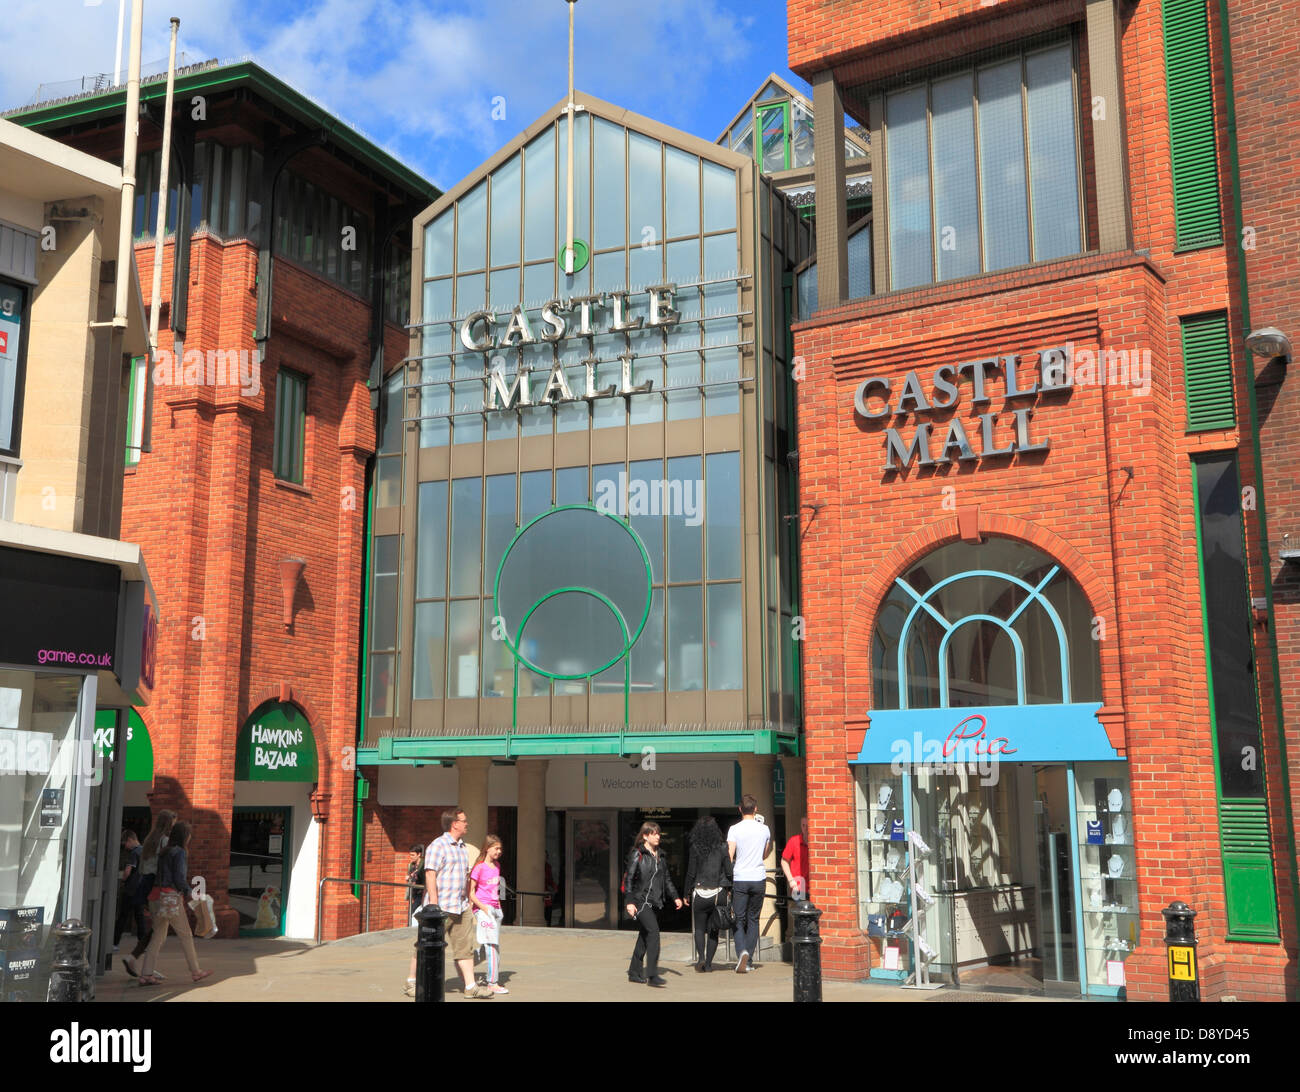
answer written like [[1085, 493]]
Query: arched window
[[999, 623]]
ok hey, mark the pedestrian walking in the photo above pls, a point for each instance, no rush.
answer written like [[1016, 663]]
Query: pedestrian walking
[[485, 894], [446, 880], [794, 862], [646, 882], [154, 843], [747, 843], [173, 886], [128, 910], [415, 877], [708, 883]]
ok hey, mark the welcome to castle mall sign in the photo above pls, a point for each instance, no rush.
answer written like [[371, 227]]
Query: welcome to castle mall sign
[[1051, 374]]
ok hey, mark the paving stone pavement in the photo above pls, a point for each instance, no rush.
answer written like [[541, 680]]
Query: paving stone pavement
[[537, 965]]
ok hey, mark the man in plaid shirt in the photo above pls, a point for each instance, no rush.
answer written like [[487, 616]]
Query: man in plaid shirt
[[446, 880]]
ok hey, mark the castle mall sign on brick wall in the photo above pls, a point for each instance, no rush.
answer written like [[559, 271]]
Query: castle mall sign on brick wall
[[879, 398]]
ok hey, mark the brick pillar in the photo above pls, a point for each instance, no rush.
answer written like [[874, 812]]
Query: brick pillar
[[756, 781], [530, 838], [472, 796]]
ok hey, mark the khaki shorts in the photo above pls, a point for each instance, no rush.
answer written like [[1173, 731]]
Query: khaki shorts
[[460, 935]]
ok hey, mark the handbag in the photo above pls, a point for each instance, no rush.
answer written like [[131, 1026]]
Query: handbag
[[170, 903], [723, 916]]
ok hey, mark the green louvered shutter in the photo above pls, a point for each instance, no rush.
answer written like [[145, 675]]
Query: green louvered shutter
[[1250, 890], [1189, 81], [1207, 372]]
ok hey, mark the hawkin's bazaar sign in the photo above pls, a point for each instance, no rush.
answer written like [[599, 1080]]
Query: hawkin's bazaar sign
[[574, 317], [875, 400]]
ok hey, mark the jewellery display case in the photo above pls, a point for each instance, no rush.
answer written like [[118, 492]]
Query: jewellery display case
[[883, 877], [1107, 871]]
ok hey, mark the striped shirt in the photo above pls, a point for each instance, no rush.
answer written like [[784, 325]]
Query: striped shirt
[[448, 859]]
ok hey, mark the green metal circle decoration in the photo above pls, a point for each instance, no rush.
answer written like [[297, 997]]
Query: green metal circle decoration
[[588, 563], [581, 256]]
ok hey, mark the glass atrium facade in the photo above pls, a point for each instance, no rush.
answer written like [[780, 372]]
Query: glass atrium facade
[[652, 384]]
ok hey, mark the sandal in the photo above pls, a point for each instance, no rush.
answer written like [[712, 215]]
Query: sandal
[[200, 976]]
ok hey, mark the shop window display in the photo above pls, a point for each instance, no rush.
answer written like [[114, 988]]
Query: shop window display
[[882, 862], [1108, 871]]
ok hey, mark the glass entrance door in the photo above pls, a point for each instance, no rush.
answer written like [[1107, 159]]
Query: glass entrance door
[[259, 873], [593, 870], [1056, 881]]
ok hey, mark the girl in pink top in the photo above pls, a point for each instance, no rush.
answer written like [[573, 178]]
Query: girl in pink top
[[484, 893]]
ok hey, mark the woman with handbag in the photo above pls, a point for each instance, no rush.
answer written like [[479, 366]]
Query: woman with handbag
[[646, 883], [173, 886], [708, 880], [146, 893]]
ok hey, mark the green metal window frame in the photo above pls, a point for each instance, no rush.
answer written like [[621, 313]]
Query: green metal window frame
[[761, 109], [1207, 372], [629, 638], [135, 417], [1189, 86], [1245, 843], [290, 426]]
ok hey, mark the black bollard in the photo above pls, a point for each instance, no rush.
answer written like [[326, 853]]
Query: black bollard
[[1180, 948], [807, 952], [431, 954], [69, 979]]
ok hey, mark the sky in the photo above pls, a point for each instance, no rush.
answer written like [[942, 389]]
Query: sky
[[423, 79]]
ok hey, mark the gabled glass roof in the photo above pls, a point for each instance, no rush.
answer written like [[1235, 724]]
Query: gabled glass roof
[[784, 117]]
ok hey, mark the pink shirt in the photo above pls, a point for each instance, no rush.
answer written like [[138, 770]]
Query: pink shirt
[[487, 877]]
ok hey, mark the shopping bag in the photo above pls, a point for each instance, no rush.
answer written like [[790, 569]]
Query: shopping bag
[[205, 920]]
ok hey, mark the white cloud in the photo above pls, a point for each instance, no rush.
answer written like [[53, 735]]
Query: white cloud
[[417, 77]]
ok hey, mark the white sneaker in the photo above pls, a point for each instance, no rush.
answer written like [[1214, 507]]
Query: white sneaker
[[742, 964]]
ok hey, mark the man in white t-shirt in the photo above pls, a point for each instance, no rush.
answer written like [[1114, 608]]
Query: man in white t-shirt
[[747, 843]]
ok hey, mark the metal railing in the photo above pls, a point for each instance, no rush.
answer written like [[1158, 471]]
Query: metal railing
[[367, 884]]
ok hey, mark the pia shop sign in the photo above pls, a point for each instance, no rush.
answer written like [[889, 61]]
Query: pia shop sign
[[276, 744], [1005, 431]]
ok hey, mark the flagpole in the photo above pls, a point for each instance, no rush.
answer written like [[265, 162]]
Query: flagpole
[[568, 249]]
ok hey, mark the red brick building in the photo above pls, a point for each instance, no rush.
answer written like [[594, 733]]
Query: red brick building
[[250, 466], [1038, 625]]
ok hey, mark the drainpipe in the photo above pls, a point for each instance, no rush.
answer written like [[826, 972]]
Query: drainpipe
[[160, 230], [1266, 560]]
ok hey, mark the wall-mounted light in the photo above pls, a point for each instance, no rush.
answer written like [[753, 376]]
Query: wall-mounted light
[[1270, 343], [290, 573]]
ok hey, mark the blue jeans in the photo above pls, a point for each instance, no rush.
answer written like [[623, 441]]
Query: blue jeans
[[748, 898]]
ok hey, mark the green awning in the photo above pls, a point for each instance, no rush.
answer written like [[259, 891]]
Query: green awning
[[139, 747], [407, 750]]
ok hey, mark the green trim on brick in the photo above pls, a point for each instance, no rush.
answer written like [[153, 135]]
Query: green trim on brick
[[1198, 218], [1207, 372]]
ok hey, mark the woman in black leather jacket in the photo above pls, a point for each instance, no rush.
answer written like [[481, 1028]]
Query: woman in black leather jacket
[[708, 876], [645, 883]]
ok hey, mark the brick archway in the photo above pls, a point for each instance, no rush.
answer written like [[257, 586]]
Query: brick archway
[[862, 618], [284, 692]]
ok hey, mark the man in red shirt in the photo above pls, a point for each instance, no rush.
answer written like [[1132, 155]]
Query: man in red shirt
[[794, 862]]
